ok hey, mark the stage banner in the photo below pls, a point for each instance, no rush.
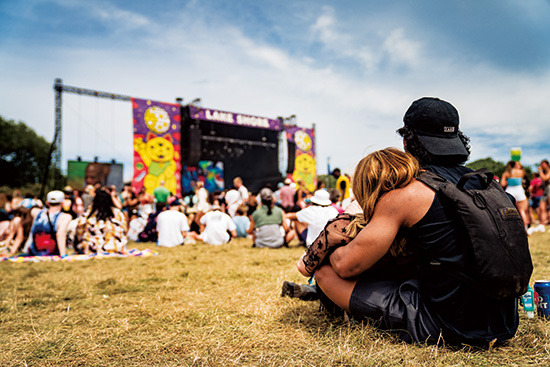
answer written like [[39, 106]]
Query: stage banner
[[304, 163], [237, 119], [157, 145]]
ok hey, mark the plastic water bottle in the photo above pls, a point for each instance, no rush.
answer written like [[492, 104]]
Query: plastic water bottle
[[528, 302]]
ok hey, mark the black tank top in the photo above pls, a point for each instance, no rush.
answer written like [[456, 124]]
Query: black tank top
[[467, 316]]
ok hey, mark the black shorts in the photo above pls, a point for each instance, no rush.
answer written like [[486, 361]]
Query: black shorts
[[396, 306], [303, 236]]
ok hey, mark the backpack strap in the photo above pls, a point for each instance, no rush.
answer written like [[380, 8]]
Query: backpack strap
[[485, 176], [53, 232], [432, 180]]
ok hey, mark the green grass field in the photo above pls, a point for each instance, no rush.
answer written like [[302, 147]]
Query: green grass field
[[201, 305]]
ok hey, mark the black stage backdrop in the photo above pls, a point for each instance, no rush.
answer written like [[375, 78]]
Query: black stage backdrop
[[249, 153]]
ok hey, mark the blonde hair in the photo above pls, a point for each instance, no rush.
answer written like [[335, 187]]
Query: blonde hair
[[376, 174]]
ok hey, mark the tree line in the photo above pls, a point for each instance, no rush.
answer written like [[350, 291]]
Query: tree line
[[23, 157]]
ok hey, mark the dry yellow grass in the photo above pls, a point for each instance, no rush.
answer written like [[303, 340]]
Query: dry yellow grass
[[203, 305]]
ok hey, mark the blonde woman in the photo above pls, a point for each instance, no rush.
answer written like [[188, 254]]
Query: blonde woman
[[376, 174]]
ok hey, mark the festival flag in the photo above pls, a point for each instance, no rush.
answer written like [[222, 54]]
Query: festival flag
[[157, 145]]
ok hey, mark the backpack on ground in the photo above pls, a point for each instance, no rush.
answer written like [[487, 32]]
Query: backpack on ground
[[498, 244]]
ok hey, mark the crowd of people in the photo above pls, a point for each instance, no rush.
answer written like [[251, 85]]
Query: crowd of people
[[102, 219], [92, 221], [531, 195]]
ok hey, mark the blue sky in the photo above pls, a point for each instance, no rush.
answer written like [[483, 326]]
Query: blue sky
[[350, 67]]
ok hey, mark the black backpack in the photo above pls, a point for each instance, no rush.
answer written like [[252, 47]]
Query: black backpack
[[498, 245]]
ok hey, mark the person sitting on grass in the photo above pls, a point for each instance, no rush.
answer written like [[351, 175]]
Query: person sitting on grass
[[242, 222], [217, 227], [310, 221], [267, 225], [172, 225], [103, 228], [49, 228], [398, 263], [431, 305]]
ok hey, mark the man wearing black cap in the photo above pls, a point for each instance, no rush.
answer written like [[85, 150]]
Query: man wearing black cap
[[431, 306]]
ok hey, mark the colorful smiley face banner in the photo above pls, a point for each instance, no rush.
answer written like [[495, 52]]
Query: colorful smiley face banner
[[304, 163], [156, 145]]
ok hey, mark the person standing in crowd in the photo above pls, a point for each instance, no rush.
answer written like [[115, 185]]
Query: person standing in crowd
[[243, 191], [172, 226], [544, 172], [343, 185], [512, 181], [536, 191], [161, 194], [103, 228], [267, 225], [310, 221], [49, 229], [286, 195], [430, 305]]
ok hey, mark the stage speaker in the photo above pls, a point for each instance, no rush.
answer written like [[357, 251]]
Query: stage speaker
[[291, 157], [193, 149]]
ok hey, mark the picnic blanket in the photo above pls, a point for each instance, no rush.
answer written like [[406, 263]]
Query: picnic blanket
[[76, 257]]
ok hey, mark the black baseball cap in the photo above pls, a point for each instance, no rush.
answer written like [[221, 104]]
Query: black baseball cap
[[435, 122]]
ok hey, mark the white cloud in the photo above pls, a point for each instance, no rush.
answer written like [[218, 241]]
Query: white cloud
[[355, 112], [326, 30], [402, 51]]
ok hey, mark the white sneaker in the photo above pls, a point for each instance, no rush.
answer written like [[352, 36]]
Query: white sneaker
[[540, 228], [531, 230]]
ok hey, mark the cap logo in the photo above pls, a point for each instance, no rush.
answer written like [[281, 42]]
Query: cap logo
[[448, 129]]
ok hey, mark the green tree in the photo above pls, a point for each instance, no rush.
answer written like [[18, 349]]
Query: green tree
[[496, 167], [23, 154]]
